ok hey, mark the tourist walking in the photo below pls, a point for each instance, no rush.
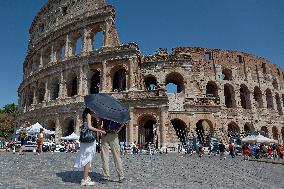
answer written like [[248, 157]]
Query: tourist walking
[[279, 151], [87, 149], [110, 139], [40, 140], [245, 149], [222, 150]]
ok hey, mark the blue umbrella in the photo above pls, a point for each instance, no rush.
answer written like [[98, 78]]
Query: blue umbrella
[[107, 107]]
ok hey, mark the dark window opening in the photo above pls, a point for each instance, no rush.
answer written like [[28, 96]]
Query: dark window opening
[[95, 83], [239, 59], [119, 80], [151, 83]]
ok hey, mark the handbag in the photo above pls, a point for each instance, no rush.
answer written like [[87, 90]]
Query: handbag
[[86, 135]]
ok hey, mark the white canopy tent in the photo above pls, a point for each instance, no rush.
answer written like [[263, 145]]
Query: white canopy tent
[[35, 128], [73, 136], [258, 139]]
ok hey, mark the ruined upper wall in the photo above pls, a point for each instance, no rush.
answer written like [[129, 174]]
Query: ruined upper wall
[[198, 55], [59, 13]]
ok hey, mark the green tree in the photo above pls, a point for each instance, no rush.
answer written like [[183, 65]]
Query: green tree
[[10, 109], [6, 125]]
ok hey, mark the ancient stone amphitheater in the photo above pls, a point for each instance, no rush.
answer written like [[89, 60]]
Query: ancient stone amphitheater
[[74, 50]]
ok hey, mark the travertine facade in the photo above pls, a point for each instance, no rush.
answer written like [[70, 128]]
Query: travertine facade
[[218, 92]]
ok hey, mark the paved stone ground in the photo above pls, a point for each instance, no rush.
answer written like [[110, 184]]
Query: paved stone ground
[[142, 171]]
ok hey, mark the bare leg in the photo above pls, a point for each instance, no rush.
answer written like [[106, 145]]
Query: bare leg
[[40, 151], [86, 171]]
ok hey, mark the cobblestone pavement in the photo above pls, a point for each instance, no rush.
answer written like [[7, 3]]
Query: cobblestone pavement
[[141, 171]]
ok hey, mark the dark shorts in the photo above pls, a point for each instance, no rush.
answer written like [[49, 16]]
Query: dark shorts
[[23, 142]]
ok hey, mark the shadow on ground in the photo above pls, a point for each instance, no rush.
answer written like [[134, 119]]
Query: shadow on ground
[[76, 176]]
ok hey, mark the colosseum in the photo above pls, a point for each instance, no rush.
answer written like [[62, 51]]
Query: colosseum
[[74, 50]]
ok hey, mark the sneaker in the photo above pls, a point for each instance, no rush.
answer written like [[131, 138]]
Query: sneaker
[[104, 180], [121, 180], [87, 182]]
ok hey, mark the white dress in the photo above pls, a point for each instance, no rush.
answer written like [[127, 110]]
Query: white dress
[[86, 153]]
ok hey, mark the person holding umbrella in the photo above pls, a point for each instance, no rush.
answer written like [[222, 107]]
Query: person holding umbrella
[[114, 116]]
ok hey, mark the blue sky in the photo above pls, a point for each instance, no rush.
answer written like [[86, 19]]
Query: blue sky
[[253, 26]]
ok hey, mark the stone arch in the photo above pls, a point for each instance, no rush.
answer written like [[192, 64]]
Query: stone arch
[[68, 126], [50, 125], [95, 82], [72, 85], [264, 131], [233, 129], [226, 74], [76, 43], [275, 133], [180, 129], [98, 38], [30, 96], [229, 94], [278, 103], [248, 129], [211, 89], [122, 134], [54, 89], [204, 129], [46, 55], [258, 97], [41, 92], [269, 99], [150, 82], [176, 80], [146, 130], [60, 48], [119, 79], [245, 97], [275, 84]]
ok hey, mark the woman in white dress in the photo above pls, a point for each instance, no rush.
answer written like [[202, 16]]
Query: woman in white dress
[[87, 150]]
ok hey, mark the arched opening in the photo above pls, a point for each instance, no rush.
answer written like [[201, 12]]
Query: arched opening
[[258, 97], [204, 130], [245, 97], [147, 130], [119, 80], [97, 40], [269, 99], [264, 131], [60, 49], [275, 84], [181, 130], [50, 125], [69, 127], [41, 92], [95, 83], [233, 130], [54, 90], [229, 94], [30, 96], [211, 89], [150, 83], [46, 56], [174, 83], [72, 86], [248, 129], [226, 74], [278, 103], [275, 133]]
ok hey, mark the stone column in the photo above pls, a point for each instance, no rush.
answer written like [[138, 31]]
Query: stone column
[[58, 130], [62, 87], [77, 124], [163, 120], [104, 77], [41, 59], [87, 41], [131, 85], [46, 94], [129, 128], [68, 47], [34, 98]]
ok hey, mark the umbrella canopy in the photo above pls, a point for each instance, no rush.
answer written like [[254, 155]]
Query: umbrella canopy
[[107, 107], [73, 136]]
